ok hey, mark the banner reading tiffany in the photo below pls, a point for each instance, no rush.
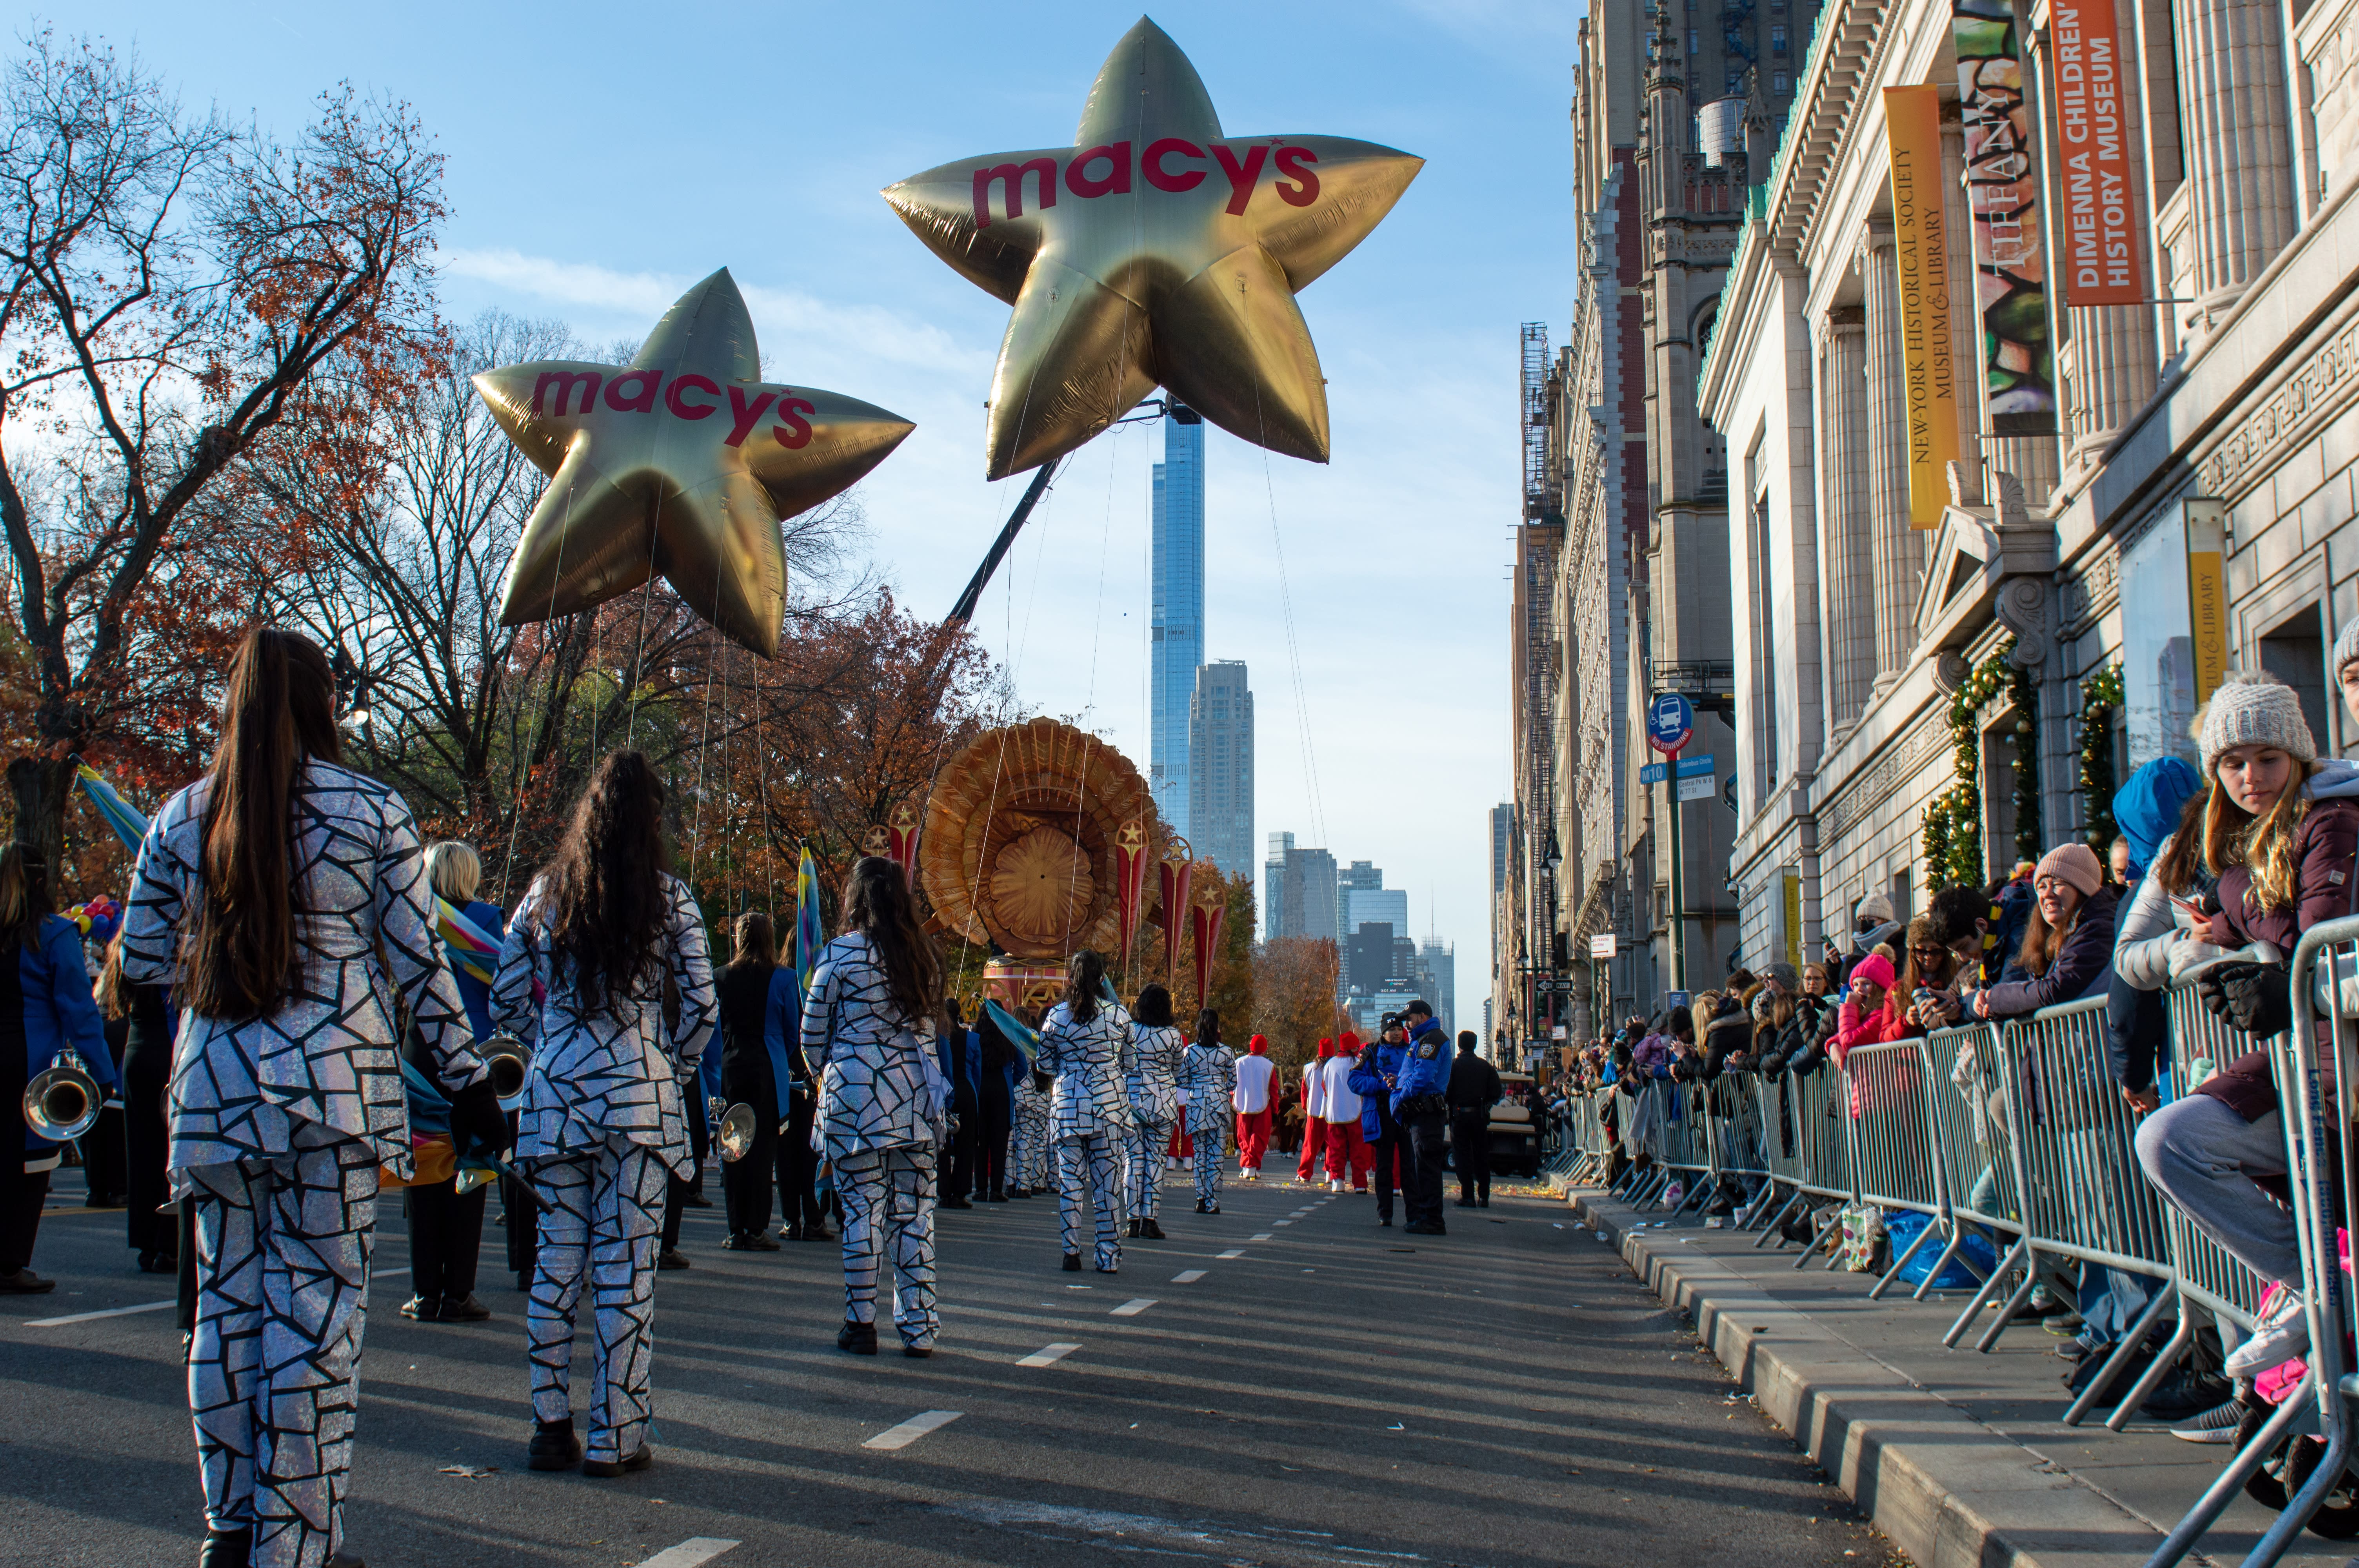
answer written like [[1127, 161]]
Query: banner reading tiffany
[[2010, 277]]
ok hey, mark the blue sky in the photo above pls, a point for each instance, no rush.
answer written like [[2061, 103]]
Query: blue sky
[[604, 156]]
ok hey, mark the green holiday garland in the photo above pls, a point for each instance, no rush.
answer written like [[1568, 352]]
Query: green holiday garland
[[2100, 694], [1951, 831]]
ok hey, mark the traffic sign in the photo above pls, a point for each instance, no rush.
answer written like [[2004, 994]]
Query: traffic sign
[[1654, 772], [1698, 789], [1692, 767], [1602, 945], [1669, 723], [1675, 998]]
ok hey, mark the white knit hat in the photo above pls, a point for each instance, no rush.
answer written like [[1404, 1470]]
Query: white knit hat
[[2346, 648], [2256, 710]]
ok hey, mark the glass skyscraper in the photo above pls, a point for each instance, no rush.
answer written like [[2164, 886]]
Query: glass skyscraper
[[1177, 617], [1221, 761]]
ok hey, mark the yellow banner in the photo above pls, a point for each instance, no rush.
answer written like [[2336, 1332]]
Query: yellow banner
[[1793, 919], [1912, 118], [2207, 593]]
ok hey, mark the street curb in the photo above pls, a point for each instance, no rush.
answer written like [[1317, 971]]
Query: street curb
[[1945, 1488]]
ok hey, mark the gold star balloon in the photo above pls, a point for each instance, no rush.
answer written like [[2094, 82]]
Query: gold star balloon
[[1154, 251], [678, 464]]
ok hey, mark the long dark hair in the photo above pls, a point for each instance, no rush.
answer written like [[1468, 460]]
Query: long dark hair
[[25, 898], [1154, 1008], [1208, 1028], [279, 708], [755, 945], [876, 903], [604, 896], [1085, 973]]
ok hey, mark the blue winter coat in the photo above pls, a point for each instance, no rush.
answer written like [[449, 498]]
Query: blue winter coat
[[475, 994], [1373, 1084], [1425, 1065], [60, 1012], [962, 1058]]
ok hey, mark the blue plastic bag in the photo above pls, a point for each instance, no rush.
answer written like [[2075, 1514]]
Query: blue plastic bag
[[1901, 1230]]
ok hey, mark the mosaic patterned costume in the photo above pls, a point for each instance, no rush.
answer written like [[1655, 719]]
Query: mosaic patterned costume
[[1208, 1074], [1153, 1089], [1028, 1158], [601, 1130], [1089, 1118], [279, 1125], [882, 1103]]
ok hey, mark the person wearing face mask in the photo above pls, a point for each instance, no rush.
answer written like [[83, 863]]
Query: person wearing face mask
[[2279, 829]]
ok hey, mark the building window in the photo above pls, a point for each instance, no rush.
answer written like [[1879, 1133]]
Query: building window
[[1778, 38], [1777, 81], [1695, 41]]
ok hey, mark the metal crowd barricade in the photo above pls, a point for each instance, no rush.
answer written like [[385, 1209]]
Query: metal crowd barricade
[[1967, 1121], [1738, 1146], [1643, 1116], [2320, 1054], [1806, 1127], [1687, 1154]]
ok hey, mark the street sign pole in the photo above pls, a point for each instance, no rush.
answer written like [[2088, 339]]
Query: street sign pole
[[1679, 880]]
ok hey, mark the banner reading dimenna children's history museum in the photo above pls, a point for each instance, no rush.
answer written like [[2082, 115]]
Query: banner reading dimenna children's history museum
[[2098, 236], [1912, 118], [2010, 272]]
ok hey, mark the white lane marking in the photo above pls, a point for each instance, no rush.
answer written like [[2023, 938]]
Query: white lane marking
[[909, 1431], [94, 1317], [1235, 1253], [1278, 1222], [696, 1549], [1265, 1236], [1190, 1277], [1133, 1307], [1047, 1355]]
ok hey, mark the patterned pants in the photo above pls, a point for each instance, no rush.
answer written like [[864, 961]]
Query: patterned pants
[[1146, 1144], [610, 1210], [1099, 1155], [1030, 1156], [889, 1197], [282, 1262], [1211, 1136]]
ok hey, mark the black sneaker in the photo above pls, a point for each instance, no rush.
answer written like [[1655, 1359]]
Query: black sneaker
[[554, 1446], [1072, 1262], [225, 1549], [694, 1200], [672, 1260], [1425, 1227], [956, 1203], [2184, 1393], [1214, 1209], [1203, 1208], [916, 1352], [1151, 1231], [1133, 1231], [859, 1338], [605, 1468], [463, 1309]]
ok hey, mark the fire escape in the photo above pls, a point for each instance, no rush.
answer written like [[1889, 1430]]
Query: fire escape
[[1539, 543]]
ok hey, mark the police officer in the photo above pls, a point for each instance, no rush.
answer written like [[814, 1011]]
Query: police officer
[[1420, 1105], [1474, 1090]]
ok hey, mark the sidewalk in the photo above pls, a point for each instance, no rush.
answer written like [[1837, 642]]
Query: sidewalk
[[1960, 1457]]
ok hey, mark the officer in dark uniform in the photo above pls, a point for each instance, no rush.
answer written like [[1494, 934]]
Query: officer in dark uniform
[[1420, 1105], [1474, 1090]]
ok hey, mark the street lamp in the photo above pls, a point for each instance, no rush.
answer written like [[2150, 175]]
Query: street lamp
[[1555, 856]]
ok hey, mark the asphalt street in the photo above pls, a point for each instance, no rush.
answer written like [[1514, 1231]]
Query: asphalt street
[[1284, 1383]]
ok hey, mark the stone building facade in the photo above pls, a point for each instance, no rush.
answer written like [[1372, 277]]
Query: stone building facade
[[2048, 627]]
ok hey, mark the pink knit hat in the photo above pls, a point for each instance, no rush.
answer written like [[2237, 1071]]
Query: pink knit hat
[[1876, 969], [2074, 865]]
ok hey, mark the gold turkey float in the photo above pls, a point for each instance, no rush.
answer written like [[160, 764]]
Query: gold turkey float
[[1037, 842]]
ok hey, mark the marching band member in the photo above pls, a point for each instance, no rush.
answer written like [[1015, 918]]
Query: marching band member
[[761, 1068], [284, 900], [868, 1031], [1028, 1156], [1314, 1113], [1255, 1101], [446, 1231], [1152, 1090], [1209, 1075], [1085, 1042], [601, 929]]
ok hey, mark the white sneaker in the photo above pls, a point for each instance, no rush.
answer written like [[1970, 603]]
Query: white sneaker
[[2216, 1425], [2278, 1338]]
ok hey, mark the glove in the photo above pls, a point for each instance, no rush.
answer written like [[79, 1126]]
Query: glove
[[2254, 998], [1042, 1083], [479, 1127]]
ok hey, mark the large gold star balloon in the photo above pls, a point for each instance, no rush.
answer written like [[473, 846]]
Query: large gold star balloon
[[1154, 251], [678, 464]]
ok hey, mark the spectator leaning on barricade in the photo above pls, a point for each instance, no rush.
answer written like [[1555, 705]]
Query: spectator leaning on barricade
[[2278, 830], [2067, 945], [2160, 810]]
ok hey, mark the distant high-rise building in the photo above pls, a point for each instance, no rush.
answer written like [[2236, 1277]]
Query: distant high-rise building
[[1272, 886], [1362, 876], [1440, 961], [1363, 906], [1221, 766], [1177, 619], [1503, 837], [1303, 902]]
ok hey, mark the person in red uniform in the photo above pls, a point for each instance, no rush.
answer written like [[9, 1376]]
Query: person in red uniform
[[1314, 1112], [1255, 1102]]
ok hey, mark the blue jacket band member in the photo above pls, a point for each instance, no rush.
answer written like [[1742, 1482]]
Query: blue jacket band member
[[601, 934], [884, 1102], [284, 899], [762, 1067]]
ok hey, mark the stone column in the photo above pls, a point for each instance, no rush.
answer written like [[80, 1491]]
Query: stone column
[[2236, 129], [1895, 550], [1846, 591]]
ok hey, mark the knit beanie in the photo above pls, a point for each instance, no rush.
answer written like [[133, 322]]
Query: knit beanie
[[1876, 969], [2075, 865], [2346, 648], [2254, 711], [1258, 1045], [1786, 976]]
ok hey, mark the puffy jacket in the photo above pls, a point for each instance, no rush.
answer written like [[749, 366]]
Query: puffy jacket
[[1372, 1076], [2082, 967], [58, 1012], [1425, 1069]]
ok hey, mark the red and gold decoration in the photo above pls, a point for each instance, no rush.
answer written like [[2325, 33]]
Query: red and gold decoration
[[1130, 882], [1204, 916], [901, 837], [1022, 984], [1154, 251], [680, 465], [1174, 875], [1019, 844]]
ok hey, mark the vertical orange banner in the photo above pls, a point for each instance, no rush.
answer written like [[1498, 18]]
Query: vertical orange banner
[[2207, 593], [1921, 232], [2100, 227]]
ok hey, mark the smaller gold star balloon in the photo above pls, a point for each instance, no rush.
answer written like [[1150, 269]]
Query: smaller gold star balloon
[[680, 465], [1154, 251]]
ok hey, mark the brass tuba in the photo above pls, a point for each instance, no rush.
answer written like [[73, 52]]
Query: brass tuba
[[508, 1062], [735, 1135], [62, 1102]]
